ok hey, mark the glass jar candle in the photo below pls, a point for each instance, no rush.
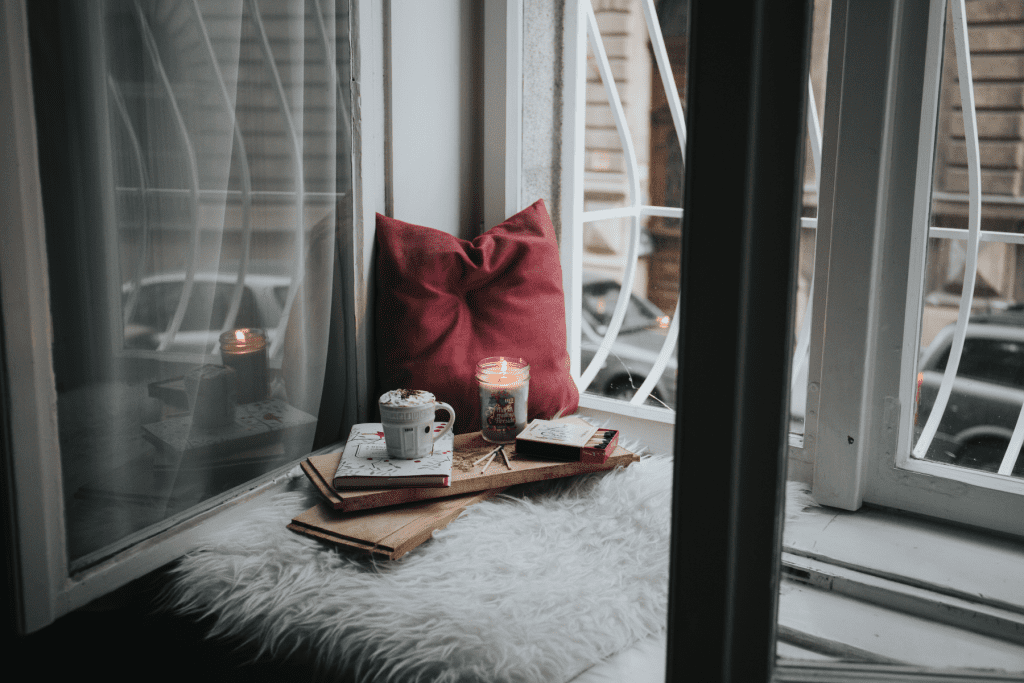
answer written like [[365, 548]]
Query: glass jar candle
[[245, 351], [504, 384]]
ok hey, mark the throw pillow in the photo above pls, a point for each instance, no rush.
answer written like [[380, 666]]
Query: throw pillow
[[444, 303]]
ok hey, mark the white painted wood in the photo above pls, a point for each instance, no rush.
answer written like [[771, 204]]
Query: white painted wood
[[977, 478], [849, 672], [370, 145], [658, 435], [784, 650], [866, 310], [844, 302], [428, 139], [503, 92], [889, 634], [906, 598], [950, 560], [38, 504], [644, 412], [894, 479], [574, 109]]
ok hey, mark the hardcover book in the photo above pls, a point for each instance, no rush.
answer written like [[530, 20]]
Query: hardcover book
[[365, 462]]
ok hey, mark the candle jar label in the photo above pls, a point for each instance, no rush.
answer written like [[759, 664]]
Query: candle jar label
[[500, 415], [504, 390]]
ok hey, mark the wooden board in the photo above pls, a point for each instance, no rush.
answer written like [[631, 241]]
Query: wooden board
[[387, 533], [465, 477]]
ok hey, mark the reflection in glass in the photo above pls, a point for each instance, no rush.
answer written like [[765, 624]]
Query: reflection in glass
[[202, 142], [987, 394]]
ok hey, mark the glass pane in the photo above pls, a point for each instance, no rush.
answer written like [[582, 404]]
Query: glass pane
[[808, 229], [193, 156], [986, 396], [658, 171]]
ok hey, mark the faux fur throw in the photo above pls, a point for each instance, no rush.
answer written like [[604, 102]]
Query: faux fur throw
[[533, 587]]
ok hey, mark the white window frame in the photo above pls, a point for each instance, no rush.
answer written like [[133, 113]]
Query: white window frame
[[876, 180], [580, 27], [46, 588], [580, 23]]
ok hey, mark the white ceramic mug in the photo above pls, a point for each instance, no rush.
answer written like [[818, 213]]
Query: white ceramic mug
[[408, 419]]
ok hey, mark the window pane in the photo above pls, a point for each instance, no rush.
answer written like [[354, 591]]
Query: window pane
[[192, 158], [986, 396], [630, 161], [808, 224]]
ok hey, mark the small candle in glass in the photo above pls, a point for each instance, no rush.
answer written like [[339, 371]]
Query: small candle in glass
[[504, 384], [245, 351]]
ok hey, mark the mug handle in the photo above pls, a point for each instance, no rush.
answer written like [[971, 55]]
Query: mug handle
[[451, 420]]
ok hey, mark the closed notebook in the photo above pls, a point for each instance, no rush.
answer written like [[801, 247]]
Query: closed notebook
[[365, 462]]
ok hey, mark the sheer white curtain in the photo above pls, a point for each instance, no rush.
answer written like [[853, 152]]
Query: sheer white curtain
[[201, 200]]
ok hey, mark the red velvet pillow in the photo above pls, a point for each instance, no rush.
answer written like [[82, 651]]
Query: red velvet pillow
[[444, 303]]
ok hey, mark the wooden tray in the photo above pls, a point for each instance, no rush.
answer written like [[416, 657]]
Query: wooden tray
[[465, 477], [387, 533]]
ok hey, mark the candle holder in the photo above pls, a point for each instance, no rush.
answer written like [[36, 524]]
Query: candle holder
[[245, 351], [504, 384]]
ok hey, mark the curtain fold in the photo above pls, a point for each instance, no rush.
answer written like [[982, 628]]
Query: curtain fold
[[202, 202]]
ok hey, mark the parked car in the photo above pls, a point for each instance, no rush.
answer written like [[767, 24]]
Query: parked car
[[633, 353], [263, 300], [987, 395]]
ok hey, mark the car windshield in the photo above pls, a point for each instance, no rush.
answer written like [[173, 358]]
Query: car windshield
[[599, 300]]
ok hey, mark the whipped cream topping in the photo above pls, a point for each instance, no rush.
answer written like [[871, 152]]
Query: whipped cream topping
[[407, 397]]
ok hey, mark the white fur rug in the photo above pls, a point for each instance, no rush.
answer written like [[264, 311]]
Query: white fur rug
[[536, 587]]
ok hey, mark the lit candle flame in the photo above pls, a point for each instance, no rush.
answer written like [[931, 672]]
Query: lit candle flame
[[504, 366], [240, 336]]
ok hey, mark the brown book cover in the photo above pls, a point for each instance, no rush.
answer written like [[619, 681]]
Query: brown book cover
[[466, 477], [387, 533]]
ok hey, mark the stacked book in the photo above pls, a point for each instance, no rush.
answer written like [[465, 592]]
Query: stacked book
[[387, 507]]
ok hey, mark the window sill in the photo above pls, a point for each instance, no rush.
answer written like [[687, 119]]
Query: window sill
[[902, 587], [656, 434], [622, 408]]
